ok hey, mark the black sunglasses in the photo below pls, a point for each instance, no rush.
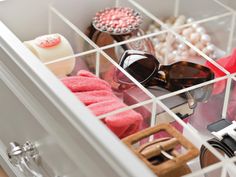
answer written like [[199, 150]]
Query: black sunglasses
[[147, 70]]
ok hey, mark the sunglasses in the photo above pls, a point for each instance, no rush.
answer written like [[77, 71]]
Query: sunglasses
[[147, 70]]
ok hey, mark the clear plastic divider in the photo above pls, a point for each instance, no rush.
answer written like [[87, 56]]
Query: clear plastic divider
[[197, 10]]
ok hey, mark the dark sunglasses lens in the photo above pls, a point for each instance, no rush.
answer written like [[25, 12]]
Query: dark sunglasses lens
[[184, 75], [138, 66], [186, 72]]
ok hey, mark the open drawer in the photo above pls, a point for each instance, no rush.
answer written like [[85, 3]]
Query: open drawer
[[67, 138]]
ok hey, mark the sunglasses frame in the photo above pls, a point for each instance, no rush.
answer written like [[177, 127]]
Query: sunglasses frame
[[135, 52], [160, 75]]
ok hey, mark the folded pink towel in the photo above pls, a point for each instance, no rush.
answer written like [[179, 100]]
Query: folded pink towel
[[122, 124], [98, 96], [85, 81]]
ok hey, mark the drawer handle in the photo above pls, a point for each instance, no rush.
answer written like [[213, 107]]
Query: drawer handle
[[25, 157]]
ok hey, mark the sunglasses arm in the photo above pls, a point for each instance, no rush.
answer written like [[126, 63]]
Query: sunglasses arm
[[156, 82], [192, 103]]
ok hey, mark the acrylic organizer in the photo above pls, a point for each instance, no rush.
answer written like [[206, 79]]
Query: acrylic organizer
[[216, 18]]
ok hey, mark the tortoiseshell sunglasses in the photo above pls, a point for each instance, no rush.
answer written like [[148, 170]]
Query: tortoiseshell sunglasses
[[147, 70]]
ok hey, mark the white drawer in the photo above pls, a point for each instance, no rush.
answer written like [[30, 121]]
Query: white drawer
[[71, 141]]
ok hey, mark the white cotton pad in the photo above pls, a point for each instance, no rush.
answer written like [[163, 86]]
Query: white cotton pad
[[49, 48]]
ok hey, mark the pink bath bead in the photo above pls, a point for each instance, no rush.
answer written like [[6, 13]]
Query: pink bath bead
[[195, 38], [124, 25], [201, 30], [187, 32], [99, 25], [205, 38], [115, 16], [103, 18], [200, 46], [115, 22], [182, 47]]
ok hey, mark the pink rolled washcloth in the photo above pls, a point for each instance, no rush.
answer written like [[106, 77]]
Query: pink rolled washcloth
[[122, 124], [98, 96], [85, 81]]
